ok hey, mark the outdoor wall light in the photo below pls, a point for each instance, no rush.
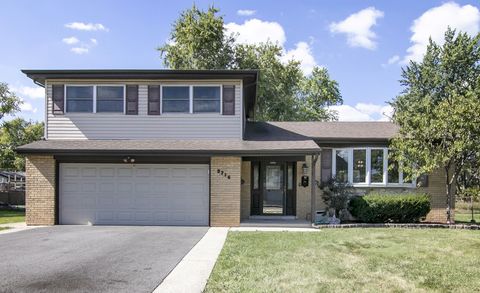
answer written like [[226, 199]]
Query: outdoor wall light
[[129, 160], [305, 169], [304, 179]]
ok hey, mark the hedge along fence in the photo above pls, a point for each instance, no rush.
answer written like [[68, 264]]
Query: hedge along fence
[[388, 208]]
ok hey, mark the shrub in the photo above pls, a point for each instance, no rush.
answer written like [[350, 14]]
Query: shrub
[[384, 208], [336, 195]]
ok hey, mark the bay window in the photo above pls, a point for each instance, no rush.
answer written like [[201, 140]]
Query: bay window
[[359, 166], [368, 166], [376, 167], [341, 163]]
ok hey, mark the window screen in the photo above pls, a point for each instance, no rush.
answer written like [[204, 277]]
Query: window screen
[[79, 99], [110, 99], [175, 99], [206, 99]]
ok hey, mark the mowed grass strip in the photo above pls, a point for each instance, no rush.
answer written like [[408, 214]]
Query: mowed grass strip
[[12, 216], [349, 260]]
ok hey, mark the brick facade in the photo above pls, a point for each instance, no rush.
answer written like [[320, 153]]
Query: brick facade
[[304, 198], [40, 190], [438, 202], [224, 191]]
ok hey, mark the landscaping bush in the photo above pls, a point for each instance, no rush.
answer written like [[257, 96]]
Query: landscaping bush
[[386, 208]]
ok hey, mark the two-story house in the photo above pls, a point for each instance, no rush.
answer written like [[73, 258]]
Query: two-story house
[[181, 147]]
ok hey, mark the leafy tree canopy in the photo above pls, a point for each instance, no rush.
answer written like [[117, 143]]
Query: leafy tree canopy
[[9, 102], [199, 41], [438, 110], [15, 133]]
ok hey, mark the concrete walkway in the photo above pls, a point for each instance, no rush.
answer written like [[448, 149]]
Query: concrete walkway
[[16, 227], [192, 273], [273, 229]]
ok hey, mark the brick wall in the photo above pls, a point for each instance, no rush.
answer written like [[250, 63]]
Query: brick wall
[[245, 190], [438, 203], [224, 192], [304, 199], [40, 190]]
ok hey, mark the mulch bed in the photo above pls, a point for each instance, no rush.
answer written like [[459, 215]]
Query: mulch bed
[[397, 225]]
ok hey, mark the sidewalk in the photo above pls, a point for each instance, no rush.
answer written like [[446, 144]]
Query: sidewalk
[[16, 227], [193, 271]]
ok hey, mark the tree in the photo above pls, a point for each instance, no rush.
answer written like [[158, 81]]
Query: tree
[[9, 102], [15, 133], [198, 41], [438, 110], [319, 91]]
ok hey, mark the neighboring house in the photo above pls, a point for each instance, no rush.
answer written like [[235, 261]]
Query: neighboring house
[[10, 180], [167, 147]]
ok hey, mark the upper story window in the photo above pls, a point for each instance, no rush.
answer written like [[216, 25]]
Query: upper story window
[[206, 99], [93, 98], [191, 99], [176, 99], [110, 99], [368, 167], [79, 99]]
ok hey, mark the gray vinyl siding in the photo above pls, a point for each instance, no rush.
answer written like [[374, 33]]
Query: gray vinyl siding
[[144, 126]]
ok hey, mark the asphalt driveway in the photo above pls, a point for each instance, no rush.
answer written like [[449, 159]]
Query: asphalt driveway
[[92, 259]]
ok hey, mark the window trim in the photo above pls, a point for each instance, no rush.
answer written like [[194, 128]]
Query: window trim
[[94, 101], [368, 156], [190, 98]]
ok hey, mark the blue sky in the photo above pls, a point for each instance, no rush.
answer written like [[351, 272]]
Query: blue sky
[[363, 44]]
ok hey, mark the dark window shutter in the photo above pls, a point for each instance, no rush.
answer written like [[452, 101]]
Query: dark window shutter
[[153, 100], [132, 100], [228, 100], [422, 181], [58, 95], [326, 165]]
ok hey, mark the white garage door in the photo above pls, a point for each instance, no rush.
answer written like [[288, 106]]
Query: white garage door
[[120, 194]]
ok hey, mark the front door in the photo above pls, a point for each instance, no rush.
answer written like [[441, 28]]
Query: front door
[[273, 188], [274, 193]]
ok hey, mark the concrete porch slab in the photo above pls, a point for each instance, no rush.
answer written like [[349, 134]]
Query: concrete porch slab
[[279, 223]]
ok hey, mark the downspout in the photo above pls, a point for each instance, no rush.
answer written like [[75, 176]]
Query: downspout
[[313, 185]]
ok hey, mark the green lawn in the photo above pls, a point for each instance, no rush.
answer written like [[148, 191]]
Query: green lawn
[[11, 216], [466, 217], [349, 260], [463, 213]]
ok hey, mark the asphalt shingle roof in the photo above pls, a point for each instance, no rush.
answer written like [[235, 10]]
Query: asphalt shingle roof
[[171, 146]]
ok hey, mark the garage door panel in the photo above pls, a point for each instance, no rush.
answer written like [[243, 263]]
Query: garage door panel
[[134, 194]]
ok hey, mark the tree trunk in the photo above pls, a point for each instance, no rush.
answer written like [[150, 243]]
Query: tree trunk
[[449, 182]]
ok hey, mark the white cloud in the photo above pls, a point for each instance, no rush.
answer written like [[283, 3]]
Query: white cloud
[[82, 26], [392, 60], [94, 41], [70, 40], [246, 12], [363, 112], [435, 21], [27, 107], [29, 92], [80, 50], [358, 28], [255, 31], [303, 53]]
